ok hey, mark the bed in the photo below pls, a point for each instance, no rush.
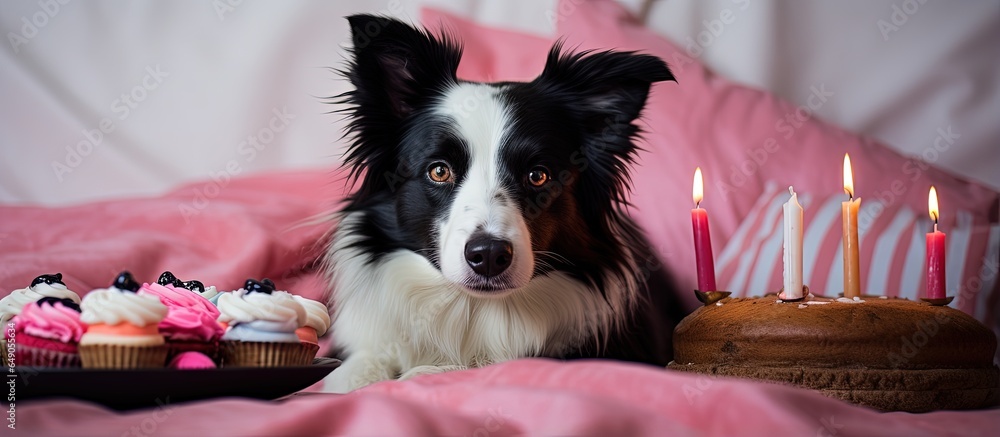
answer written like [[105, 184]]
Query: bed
[[274, 224], [535, 397], [267, 224]]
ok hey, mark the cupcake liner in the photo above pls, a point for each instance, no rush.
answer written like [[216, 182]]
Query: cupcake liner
[[309, 350], [266, 354], [32, 341], [175, 348], [41, 357], [111, 356]]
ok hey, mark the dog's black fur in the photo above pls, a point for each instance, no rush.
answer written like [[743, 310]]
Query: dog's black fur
[[575, 120]]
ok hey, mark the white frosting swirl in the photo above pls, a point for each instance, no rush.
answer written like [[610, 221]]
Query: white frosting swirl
[[242, 307], [317, 315], [111, 306], [12, 304]]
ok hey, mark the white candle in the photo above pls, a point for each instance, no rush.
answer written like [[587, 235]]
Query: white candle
[[793, 247]]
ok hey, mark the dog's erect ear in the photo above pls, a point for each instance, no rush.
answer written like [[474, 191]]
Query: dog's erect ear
[[611, 86], [605, 92], [397, 66], [395, 69]]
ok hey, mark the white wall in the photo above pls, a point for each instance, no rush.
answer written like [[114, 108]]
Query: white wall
[[224, 73], [939, 67]]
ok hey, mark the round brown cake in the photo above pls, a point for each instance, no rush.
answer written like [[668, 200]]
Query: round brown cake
[[889, 354]]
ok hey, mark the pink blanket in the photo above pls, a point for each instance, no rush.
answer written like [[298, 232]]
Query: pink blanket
[[537, 397], [256, 227], [217, 232]]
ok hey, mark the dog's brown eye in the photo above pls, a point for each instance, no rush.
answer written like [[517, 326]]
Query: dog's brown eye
[[439, 172], [538, 176]]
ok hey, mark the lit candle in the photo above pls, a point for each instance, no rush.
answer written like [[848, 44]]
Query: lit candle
[[793, 247], [702, 242], [849, 212], [935, 252]]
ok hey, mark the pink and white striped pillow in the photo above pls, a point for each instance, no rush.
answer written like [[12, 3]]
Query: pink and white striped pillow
[[892, 250]]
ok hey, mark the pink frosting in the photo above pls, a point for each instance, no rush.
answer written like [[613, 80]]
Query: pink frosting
[[186, 324], [55, 322], [180, 297]]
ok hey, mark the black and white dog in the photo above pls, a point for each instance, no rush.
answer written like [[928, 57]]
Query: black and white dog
[[488, 222]]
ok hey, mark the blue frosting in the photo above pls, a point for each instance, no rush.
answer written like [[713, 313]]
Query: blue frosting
[[260, 331]]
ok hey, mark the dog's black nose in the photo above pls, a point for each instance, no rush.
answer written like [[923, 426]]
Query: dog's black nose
[[487, 255]]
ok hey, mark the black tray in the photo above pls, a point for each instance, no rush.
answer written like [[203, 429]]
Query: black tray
[[140, 388]]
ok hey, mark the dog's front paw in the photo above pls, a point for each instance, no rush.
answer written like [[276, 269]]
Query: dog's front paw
[[358, 370], [429, 370]]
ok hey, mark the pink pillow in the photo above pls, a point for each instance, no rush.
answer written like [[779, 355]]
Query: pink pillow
[[491, 55], [752, 146]]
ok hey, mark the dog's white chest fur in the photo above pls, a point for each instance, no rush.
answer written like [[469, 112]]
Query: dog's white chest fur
[[400, 317]]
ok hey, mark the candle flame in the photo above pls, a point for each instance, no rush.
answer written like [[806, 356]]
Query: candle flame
[[698, 192], [932, 204], [848, 176]]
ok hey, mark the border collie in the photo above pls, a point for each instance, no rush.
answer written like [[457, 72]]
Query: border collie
[[488, 224]]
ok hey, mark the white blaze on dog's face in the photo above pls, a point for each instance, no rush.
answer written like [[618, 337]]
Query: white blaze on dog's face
[[484, 242]]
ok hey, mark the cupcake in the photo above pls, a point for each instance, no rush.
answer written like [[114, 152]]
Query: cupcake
[[317, 323], [262, 326], [187, 330], [190, 324], [122, 328], [42, 286], [48, 333]]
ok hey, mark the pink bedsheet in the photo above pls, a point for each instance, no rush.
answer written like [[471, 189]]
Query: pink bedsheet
[[217, 232], [254, 227], [535, 397]]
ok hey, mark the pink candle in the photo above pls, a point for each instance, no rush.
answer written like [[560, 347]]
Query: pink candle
[[935, 253], [704, 261]]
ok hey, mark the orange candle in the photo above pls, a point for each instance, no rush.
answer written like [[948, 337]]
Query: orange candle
[[849, 213], [704, 261], [935, 252]]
